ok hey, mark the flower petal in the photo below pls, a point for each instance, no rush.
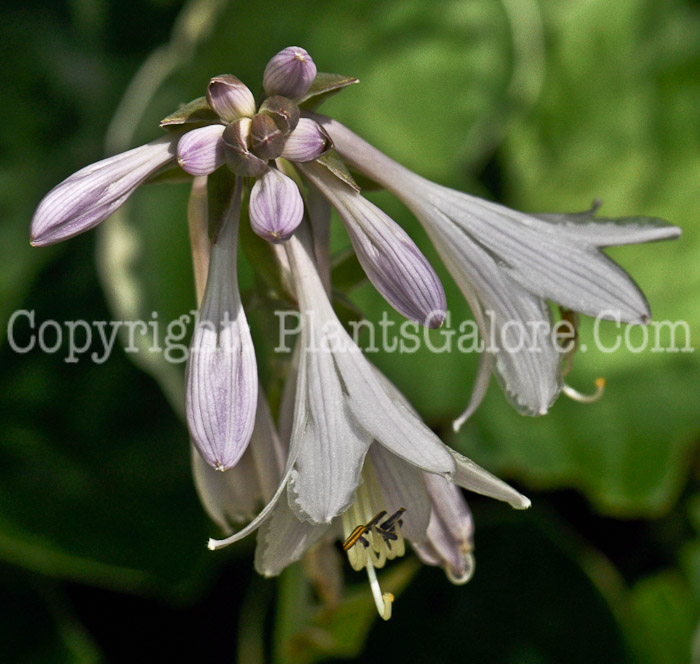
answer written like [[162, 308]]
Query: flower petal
[[392, 261], [515, 325], [89, 196], [283, 539], [307, 142], [402, 485], [473, 477], [276, 206], [383, 416], [450, 532], [201, 151], [230, 98], [221, 378], [289, 73]]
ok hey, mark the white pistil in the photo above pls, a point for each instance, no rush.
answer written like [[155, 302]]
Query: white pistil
[[383, 601], [585, 398]]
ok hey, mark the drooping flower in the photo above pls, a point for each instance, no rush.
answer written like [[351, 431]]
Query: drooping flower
[[508, 264], [341, 408], [221, 377]]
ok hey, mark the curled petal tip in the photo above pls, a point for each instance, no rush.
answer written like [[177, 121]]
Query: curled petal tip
[[230, 98]]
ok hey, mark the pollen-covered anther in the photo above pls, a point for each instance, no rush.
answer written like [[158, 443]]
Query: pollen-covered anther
[[585, 398]]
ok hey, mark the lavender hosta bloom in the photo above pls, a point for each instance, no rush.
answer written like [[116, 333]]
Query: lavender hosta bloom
[[221, 377], [89, 196], [391, 260], [508, 264], [341, 406], [201, 151]]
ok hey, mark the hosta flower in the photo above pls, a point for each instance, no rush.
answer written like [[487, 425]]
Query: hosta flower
[[221, 377], [344, 408], [508, 264]]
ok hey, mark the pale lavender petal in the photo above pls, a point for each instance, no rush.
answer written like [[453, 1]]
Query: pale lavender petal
[[402, 485], [201, 151], [221, 380], [332, 446], [283, 539], [383, 416], [290, 73], [237, 495], [609, 232], [307, 142], [473, 477], [89, 196], [563, 266], [276, 206], [391, 260], [230, 98], [450, 533]]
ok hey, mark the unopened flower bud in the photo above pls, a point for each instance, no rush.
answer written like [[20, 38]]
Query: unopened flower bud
[[230, 98], [201, 151], [240, 159], [276, 206], [307, 142], [266, 140], [290, 73], [283, 111]]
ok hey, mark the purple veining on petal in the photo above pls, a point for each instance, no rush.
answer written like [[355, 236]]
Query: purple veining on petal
[[289, 73], [89, 196], [307, 142], [201, 151], [230, 98], [276, 206], [221, 380], [392, 261]]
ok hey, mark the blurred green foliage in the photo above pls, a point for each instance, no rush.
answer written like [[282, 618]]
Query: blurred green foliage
[[540, 104]]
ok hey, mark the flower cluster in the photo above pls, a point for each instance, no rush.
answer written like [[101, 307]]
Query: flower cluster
[[350, 459]]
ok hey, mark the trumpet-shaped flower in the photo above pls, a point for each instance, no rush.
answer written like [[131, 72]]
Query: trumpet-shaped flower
[[508, 264], [341, 407]]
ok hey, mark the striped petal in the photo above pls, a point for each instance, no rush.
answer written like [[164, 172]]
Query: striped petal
[[89, 196], [221, 380], [276, 206]]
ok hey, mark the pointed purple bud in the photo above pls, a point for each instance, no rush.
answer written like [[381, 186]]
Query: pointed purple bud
[[266, 140], [221, 377], [201, 151], [307, 142], [276, 206], [89, 196], [240, 159], [230, 98], [391, 260], [290, 73]]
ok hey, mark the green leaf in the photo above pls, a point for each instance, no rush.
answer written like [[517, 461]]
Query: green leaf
[[323, 87], [335, 165], [197, 111]]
